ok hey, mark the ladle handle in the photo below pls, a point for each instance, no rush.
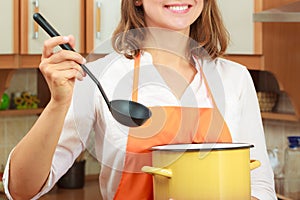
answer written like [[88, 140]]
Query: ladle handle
[[53, 33]]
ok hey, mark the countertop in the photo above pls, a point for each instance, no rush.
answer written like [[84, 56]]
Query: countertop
[[90, 191]]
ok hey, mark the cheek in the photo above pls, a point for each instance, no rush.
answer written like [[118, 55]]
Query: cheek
[[199, 8], [200, 4]]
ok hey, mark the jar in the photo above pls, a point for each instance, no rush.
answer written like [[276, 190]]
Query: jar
[[291, 168]]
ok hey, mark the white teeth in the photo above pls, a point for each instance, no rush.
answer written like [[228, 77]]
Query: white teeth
[[178, 8]]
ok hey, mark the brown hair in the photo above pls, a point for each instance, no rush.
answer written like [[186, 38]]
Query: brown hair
[[208, 30]]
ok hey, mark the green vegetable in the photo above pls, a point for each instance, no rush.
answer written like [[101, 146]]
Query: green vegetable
[[4, 103]]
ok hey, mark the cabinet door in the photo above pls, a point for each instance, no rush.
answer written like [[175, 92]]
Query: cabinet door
[[237, 16], [102, 18], [66, 16], [9, 26]]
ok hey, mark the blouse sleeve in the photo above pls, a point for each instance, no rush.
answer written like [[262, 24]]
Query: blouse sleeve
[[251, 131]]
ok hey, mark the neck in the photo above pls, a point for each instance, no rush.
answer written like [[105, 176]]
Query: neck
[[165, 58], [167, 43]]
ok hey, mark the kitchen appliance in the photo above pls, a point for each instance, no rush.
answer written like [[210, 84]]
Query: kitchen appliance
[[209, 171]]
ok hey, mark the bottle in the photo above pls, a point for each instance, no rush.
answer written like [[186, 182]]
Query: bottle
[[292, 168]]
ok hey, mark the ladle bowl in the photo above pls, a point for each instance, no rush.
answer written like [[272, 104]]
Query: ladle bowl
[[122, 109], [128, 113]]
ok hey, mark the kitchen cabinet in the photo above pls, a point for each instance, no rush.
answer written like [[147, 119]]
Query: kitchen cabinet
[[281, 49], [90, 21], [9, 36], [9, 40], [67, 16], [102, 17], [9, 29], [21, 39], [245, 35], [276, 49]]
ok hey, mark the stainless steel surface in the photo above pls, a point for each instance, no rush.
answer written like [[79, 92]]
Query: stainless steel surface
[[287, 13]]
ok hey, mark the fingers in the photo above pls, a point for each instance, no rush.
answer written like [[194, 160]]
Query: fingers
[[50, 68], [72, 41], [65, 59], [63, 55], [68, 56], [51, 43], [58, 74]]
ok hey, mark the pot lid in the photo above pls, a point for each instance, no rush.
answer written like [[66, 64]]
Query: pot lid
[[287, 13], [202, 147]]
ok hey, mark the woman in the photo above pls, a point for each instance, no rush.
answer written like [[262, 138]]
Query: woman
[[167, 58]]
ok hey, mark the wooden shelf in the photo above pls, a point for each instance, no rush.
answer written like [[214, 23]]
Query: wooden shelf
[[21, 112], [253, 62], [280, 116]]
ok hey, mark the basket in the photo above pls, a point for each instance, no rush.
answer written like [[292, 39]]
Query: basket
[[267, 101]]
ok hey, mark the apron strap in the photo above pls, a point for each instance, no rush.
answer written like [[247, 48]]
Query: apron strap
[[213, 134]]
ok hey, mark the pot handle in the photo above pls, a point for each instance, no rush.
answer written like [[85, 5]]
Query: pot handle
[[254, 164], [158, 171]]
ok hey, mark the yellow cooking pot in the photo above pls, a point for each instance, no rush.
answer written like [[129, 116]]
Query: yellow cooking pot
[[202, 171]]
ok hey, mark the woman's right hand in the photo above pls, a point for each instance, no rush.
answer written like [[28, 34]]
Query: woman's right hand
[[61, 68]]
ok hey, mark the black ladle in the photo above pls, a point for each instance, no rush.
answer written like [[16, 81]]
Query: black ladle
[[128, 113]]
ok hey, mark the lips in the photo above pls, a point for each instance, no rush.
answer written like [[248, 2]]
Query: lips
[[178, 8]]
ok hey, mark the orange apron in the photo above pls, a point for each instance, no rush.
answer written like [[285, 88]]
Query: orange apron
[[168, 125]]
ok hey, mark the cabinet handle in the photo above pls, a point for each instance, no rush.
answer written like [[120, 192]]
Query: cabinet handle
[[35, 25], [98, 20]]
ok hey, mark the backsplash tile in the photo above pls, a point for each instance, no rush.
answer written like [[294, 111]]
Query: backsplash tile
[[292, 129], [3, 155], [274, 133], [24, 80], [92, 165], [2, 133], [16, 128], [2, 142]]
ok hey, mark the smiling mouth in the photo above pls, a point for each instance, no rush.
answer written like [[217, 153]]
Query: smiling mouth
[[178, 8]]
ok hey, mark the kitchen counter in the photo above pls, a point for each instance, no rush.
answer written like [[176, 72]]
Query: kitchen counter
[[88, 192]]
